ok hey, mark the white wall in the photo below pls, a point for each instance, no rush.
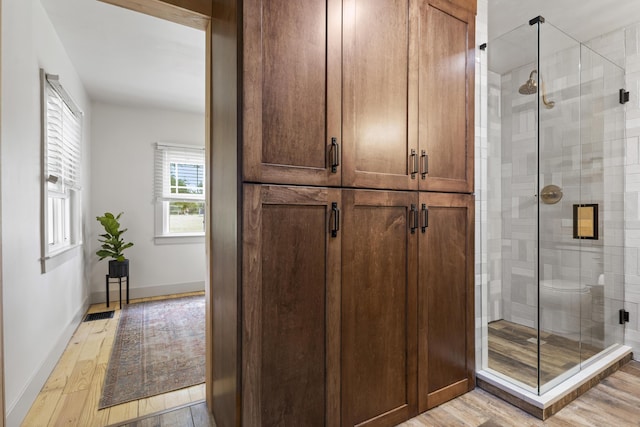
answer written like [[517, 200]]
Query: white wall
[[122, 181], [40, 310]]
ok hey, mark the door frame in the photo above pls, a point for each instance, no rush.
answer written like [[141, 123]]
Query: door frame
[[196, 14], [2, 404]]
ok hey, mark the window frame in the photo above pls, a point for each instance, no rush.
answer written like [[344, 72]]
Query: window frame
[[61, 235], [165, 154]]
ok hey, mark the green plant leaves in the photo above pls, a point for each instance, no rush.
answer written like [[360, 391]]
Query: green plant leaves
[[112, 244]]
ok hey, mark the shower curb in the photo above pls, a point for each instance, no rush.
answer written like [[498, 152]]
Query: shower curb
[[542, 408]]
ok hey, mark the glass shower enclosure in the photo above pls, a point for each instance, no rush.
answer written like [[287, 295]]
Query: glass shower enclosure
[[555, 215]]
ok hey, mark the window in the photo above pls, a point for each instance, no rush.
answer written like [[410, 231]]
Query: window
[[62, 141], [180, 196]]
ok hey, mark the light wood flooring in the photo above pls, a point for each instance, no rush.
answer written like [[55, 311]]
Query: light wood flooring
[[513, 351], [193, 415], [613, 402], [71, 394]]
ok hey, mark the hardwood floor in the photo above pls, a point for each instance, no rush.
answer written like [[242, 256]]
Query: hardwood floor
[[513, 351], [193, 415], [71, 394], [613, 402]]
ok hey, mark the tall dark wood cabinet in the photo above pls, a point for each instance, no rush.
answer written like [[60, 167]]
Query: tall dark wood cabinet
[[445, 100], [291, 306], [379, 126], [446, 320], [341, 261], [379, 311], [292, 91]]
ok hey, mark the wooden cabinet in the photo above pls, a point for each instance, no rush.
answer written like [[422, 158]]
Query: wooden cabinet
[[291, 307], [379, 126], [379, 278], [292, 91], [333, 302], [445, 295], [360, 93], [445, 105], [357, 305]]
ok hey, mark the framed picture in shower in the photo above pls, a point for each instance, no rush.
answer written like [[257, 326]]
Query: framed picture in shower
[[585, 221]]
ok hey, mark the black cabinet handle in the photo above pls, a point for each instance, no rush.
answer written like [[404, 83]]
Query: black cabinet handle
[[414, 219], [425, 164], [414, 163], [335, 155], [425, 218], [335, 227]]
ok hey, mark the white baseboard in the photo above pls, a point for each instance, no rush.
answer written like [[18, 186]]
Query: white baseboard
[[17, 410], [146, 292]]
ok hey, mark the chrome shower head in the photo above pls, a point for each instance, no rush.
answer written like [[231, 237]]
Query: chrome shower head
[[530, 86]]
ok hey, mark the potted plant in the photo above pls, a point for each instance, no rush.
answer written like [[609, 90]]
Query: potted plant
[[113, 245]]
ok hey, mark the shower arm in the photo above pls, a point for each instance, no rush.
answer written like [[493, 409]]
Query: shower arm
[[547, 103]]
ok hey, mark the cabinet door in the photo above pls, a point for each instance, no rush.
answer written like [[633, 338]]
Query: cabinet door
[[446, 97], [380, 84], [379, 274], [446, 304], [290, 307], [291, 91]]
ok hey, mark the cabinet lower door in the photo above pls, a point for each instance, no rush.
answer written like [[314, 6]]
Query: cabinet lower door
[[446, 82], [379, 275], [446, 306], [290, 306]]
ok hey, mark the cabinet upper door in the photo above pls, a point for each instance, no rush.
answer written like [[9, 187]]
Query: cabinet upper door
[[379, 274], [291, 91], [445, 294], [291, 306], [446, 96], [379, 80]]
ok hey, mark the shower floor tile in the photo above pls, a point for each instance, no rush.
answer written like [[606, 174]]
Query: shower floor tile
[[513, 350]]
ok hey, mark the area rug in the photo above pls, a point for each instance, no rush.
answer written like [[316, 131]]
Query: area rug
[[159, 347]]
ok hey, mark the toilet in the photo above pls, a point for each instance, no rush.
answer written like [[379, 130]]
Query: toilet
[[564, 306]]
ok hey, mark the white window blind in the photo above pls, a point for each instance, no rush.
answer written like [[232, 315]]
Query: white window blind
[[63, 140], [179, 173]]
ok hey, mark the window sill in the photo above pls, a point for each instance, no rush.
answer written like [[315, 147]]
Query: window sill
[[59, 257], [179, 239]]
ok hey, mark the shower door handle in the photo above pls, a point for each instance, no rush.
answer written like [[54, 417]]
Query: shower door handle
[[424, 164]]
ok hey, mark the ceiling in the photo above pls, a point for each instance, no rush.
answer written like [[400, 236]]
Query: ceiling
[[581, 19], [128, 58]]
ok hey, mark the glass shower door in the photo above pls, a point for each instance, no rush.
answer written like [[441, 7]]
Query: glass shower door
[[512, 330], [602, 190], [560, 291]]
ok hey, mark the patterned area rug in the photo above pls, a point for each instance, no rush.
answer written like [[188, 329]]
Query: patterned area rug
[[159, 347]]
